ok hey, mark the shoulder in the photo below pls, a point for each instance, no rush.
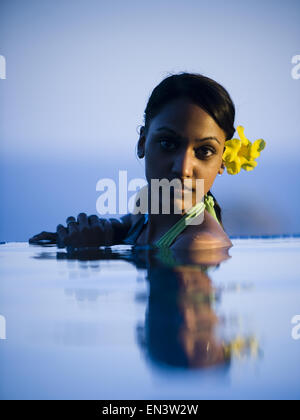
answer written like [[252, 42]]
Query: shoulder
[[207, 235]]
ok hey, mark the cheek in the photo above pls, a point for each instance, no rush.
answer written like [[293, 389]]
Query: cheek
[[208, 172], [208, 169], [154, 163], [152, 166]]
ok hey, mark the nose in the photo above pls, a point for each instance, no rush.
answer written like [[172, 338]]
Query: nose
[[183, 165]]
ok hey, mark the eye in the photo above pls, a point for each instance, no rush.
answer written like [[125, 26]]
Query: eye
[[168, 145], [205, 152]]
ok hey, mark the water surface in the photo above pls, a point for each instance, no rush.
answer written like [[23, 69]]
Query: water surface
[[123, 324]]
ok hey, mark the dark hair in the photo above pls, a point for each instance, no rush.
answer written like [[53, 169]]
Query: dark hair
[[202, 91]]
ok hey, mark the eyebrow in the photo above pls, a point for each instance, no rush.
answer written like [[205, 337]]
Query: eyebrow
[[164, 128]]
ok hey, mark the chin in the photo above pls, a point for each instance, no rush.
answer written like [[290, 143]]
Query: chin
[[180, 206]]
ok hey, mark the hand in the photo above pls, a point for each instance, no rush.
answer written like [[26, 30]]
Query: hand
[[85, 232]]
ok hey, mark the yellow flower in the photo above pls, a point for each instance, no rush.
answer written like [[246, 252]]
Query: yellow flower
[[240, 153]]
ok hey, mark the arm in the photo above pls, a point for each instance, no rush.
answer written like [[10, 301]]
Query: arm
[[87, 231]]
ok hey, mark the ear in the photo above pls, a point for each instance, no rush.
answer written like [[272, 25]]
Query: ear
[[222, 168], [141, 143]]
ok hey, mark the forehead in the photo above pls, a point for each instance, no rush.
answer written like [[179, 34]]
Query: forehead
[[187, 119]]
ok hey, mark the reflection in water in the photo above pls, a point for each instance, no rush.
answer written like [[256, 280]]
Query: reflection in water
[[182, 327], [82, 295], [181, 322]]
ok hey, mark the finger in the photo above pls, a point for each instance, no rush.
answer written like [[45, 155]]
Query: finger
[[44, 235], [107, 231], [94, 220], [62, 236], [82, 221], [70, 219], [72, 227], [41, 235], [74, 238], [50, 237], [97, 232]]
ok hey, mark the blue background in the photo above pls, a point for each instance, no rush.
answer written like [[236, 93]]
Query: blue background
[[79, 74]]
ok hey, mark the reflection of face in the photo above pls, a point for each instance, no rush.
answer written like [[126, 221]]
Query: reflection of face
[[180, 150], [181, 320]]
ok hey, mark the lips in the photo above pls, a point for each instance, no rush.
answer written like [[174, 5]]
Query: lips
[[184, 189], [183, 186]]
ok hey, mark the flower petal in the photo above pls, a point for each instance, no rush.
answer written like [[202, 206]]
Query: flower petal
[[240, 130], [248, 166], [233, 168], [232, 148], [257, 147]]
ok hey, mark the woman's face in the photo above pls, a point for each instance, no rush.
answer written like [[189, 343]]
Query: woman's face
[[183, 142]]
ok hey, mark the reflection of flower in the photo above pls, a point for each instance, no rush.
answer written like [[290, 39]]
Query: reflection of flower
[[240, 347], [240, 153]]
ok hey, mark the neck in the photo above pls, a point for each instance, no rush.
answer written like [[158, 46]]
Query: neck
[[159, 224]]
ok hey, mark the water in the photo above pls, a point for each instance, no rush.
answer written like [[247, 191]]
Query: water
[[117, 324]]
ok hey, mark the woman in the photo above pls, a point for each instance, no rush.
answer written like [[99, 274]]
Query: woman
[[188, 119]]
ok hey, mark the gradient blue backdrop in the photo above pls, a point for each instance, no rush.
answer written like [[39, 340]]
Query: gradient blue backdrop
[[78, 77]]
